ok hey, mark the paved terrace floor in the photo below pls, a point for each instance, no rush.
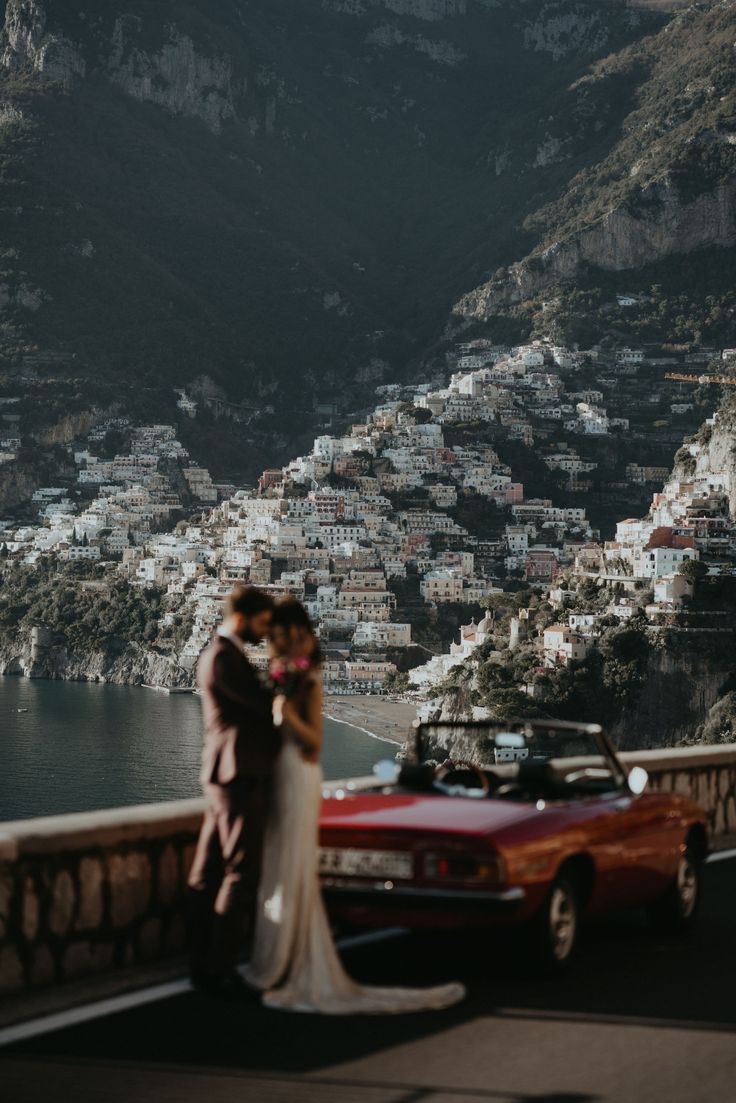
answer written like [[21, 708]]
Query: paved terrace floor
[[639, 1018]]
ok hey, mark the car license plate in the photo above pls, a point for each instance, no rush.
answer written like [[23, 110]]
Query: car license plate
[[347, 862]]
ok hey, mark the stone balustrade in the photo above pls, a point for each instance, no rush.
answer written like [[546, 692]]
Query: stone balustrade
[[705, 774], [94, 892], [105, 891]]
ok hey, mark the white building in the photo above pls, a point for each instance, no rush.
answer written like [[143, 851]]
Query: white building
[[370, 633], [661, 562], [563, 646]]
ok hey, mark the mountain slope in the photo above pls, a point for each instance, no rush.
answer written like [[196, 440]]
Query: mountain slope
[[666, 188], [283, 195]]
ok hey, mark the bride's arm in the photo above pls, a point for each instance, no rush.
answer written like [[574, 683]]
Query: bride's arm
[[308, 730]]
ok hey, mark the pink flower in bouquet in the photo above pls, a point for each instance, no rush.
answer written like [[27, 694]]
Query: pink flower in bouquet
[[287, 675]]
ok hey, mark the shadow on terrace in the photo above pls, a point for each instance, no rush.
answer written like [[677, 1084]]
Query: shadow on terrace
[[624, 976]]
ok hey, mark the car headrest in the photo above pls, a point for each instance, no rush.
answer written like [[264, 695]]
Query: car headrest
[[535, 774], [415, 775]]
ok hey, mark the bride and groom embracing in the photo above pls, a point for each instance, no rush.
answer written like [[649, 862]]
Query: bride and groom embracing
[[255, 868]]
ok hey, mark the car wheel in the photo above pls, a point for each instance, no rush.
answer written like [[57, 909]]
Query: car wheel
[[677, 908], [555, 928]]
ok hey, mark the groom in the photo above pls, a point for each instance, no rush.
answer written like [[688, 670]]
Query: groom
[[240, 749]]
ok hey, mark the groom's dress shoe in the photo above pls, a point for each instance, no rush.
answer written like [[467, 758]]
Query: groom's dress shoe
[[233, 984]]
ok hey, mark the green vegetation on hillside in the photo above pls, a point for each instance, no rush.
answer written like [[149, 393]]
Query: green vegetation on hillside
[[687, 299], [637, 678], [84, 610]]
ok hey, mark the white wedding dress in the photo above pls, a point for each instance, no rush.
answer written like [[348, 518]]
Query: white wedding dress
[[295, 962]]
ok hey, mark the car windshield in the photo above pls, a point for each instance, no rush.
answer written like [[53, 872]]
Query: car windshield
[[526, 760]]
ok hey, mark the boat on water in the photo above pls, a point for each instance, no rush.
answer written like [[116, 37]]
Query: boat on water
[[21, 710], [170, 689]]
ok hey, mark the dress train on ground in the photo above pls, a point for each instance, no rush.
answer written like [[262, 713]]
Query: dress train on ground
[[295, 961]]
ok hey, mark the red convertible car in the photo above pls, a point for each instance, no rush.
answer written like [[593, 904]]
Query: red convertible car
[[536, 823]]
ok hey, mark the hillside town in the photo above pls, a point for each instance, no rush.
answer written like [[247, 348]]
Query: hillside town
[[412, 507]]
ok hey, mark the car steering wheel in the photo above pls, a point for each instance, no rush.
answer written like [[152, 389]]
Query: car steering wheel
[[459, 789]]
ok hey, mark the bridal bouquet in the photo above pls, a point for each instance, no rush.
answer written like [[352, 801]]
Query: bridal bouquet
[[287, 674]]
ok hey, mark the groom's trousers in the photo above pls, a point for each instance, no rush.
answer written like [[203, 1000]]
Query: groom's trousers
[[223, 881]]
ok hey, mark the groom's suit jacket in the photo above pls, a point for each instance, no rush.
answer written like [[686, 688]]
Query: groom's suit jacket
[[240, 739]]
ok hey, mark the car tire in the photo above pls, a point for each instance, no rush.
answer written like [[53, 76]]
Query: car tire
[[675, 912], [556, 926]]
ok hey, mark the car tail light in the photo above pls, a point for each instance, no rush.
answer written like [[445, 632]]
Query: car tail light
[[487, 868]]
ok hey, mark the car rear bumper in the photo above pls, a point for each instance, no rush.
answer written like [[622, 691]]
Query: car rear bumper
[[410, 906]]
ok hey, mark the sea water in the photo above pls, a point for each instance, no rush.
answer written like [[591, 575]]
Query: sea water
[[77, 746]]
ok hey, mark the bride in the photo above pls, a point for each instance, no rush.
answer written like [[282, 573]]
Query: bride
[[294, 961]]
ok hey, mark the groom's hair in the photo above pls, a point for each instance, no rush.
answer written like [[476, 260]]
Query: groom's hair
[[248, 601]]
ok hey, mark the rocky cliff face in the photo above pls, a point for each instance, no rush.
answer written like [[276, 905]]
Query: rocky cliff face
[[713, 451], [72, 426], [682, 687], [685, 696], [665, 186], [21, 477], [682, 693], [663, 224], [25, 43], [306, 187], [560, 29], [17, 484], [176, 77], [135, 666], [688, 691]]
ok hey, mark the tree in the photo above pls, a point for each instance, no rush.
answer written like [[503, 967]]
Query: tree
[[693, 570], [502, 605], [509, 703], [397, 681]]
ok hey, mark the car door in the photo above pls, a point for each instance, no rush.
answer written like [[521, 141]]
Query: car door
[[655, 832], [633, 840]]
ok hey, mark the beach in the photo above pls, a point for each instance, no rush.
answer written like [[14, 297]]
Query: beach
[[378, 716]]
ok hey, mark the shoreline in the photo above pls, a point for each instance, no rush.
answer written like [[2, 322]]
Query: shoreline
[[383, 719], [380, 718]]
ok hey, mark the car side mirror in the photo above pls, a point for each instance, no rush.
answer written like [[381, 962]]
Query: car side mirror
[[386, 771], [638, 780]]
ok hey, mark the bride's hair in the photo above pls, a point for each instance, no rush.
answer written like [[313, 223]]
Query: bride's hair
[[290, 613]]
